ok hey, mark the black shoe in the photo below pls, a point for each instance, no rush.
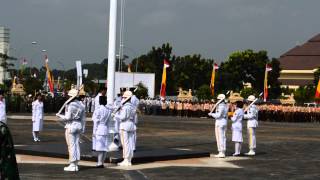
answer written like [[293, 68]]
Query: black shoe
[[100, 166]]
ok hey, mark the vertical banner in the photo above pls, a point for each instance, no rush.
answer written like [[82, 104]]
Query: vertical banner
[[164, 79], [265, 86], [79, 74], [213, 75]]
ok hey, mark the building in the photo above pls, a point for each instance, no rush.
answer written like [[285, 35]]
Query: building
[[4, 49], [299, 64], [125, 80]]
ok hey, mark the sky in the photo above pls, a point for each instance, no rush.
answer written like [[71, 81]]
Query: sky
[[71, 30]]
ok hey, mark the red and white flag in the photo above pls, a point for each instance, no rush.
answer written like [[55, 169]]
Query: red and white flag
[[268, 68], [265, 86], [164, 79], [215, 66]]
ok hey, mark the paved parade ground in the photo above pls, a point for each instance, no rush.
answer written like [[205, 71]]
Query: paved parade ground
[[284, 151]]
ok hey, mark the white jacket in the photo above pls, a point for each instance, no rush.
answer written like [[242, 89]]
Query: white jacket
[[237, 119], [126, 117], [101, 117], [252, 116], [37, 110], [74, 116], [221, 114], [3, 116]]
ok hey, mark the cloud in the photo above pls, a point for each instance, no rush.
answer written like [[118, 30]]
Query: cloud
[[158, 18]]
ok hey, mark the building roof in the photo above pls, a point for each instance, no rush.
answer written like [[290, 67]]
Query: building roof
[[303, 57]]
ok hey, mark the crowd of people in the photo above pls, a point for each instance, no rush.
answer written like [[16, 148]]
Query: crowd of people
[[189, 109]]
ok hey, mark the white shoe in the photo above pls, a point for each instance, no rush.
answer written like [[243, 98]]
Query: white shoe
[[217, 155], [71, 168], [125, 163], [251, 153], [236, 154], [221, 155]]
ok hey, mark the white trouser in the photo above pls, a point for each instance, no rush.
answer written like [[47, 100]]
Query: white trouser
[[237, 147], [220, 132], [134, 140], [93, 142], [127, 144], [252, 138], [73, 145]]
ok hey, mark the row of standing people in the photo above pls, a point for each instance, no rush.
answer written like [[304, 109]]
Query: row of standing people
[[280, 113], [221, 118], [175, 108]]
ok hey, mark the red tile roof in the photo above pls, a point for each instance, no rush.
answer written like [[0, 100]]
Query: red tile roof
[[304, 57]]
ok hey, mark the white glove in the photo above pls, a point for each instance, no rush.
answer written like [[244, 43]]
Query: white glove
[[210, 114], [59, 115]]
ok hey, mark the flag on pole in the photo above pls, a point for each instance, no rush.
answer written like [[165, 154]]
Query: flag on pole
[[49, 75], [213, 74], [265, 86], [164, 78], [317, 96]]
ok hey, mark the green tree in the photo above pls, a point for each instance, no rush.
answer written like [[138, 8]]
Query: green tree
[[248, 67], [31, 85], [304, 94], [142, 90], [152, 62], [204, 92]]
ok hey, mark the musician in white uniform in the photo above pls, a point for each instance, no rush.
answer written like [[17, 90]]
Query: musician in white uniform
[[221, 125], [74, 118], [101, 117], [102, 92], [37, 117], [252, 124], [135, 102], [237, 128], [126, 117], [3, 115]]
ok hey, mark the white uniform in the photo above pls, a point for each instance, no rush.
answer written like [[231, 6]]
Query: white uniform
[[101, 117], [252, 124], [237, 125], [220, 126], [135, 103], [37, 115], [126, 117], [3, 116], [74, 118], [96, 101]]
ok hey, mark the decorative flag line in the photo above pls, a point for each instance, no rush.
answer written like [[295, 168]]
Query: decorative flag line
[[213, 74], [265, 86], [164, 78]]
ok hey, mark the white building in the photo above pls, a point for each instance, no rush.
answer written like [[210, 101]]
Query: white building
[[125, 80], [4, 49]]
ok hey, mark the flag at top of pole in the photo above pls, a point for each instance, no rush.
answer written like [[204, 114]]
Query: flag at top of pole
[[213, 74], [164, 78], [265, 86]]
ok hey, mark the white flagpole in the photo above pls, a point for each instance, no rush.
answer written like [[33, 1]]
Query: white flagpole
[[112, 50]]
